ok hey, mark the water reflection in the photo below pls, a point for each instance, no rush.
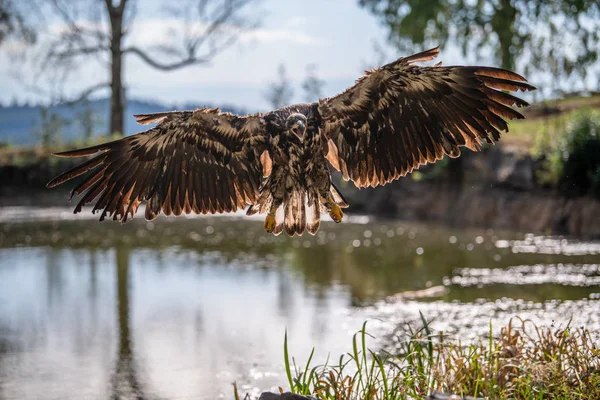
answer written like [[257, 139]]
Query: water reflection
[[124, 382], [180, 308]]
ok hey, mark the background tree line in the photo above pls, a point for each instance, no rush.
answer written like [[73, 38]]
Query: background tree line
[[559, 37], [98, 30]]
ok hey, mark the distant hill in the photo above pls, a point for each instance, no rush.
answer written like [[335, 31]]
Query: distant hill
[[18, 124]]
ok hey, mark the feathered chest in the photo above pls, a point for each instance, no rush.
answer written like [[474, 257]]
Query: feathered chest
[[287, 149]]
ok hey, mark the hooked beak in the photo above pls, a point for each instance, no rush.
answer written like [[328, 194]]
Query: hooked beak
[[298, 128]]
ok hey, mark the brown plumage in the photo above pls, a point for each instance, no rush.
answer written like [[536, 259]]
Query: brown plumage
[[391, 121]]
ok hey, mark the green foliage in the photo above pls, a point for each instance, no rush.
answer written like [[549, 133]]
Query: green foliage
[[571, 158], [431, 172], [525, 361], [561, 37], [580, 162]]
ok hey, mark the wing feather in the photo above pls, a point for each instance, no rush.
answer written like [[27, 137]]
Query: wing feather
[[401, 116], [202, 161]]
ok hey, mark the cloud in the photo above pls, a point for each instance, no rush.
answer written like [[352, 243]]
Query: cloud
[[294, 36], [297, 22], [153, 32]]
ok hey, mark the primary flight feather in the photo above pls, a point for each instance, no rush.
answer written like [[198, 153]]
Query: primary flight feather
[[392, 120]]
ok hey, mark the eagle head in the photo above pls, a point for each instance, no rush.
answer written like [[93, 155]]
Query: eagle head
[[296, 123]]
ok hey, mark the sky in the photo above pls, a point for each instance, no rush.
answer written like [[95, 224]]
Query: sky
[[335, 35]]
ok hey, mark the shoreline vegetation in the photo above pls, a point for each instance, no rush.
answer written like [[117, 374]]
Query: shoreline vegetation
[[524, 361]]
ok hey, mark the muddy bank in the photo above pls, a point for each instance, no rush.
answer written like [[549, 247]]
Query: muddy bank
[[497, 188], [484, 205]]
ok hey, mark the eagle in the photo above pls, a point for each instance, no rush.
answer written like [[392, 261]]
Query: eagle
[[394, 119]]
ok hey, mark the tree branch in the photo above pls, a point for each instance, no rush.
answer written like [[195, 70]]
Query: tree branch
[[219, 29], [77, 52], [190, 60], [88, 92]]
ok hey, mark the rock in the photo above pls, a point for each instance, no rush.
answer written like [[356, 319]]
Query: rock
[[292, 396], [446, 396], [284, 396], [511, 170]]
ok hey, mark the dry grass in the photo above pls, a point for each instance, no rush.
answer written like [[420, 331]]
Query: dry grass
[[19, 156], [545, 124], [524, 362]]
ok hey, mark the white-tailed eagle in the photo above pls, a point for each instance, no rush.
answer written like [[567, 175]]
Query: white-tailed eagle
[[394, 119]]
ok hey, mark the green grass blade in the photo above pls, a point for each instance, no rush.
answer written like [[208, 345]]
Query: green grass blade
[[286, 358]]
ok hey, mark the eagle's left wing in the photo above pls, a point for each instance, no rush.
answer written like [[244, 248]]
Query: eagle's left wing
[[202, 161], [401, 116]]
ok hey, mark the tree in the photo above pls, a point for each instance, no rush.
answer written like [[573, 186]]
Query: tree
[[13, 22], [50, 127], [559, 36], [88, 120], [199, 30], [280, 93], [312, 84]]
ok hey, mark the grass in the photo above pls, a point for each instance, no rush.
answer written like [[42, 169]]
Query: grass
[[524, 362], [545, 124], [21, 156]]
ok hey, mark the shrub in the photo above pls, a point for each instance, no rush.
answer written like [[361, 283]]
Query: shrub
[[581, 168], [574, 165]]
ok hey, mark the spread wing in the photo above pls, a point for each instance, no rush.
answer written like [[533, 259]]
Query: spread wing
[[201, 161], [400, 116]]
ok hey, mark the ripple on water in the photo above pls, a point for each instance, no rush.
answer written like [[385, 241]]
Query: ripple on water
[[550, 245], [471, 321], [562, 274]]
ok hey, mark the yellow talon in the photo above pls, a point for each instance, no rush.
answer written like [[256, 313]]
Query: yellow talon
[[336, 213], [270, 223]]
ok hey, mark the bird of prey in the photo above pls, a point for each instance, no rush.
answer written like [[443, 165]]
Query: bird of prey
[[392, 120]]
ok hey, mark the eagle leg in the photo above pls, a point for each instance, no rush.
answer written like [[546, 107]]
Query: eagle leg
[[335, 212], [270, 222]]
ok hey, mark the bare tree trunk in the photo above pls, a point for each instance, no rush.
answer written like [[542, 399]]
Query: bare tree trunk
[[117, 98]]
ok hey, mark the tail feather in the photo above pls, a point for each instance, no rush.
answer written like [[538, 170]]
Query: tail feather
[[313, 215], [288, 223], [301, 221], [279, 219]]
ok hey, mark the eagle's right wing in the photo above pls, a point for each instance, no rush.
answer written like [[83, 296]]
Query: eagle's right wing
[[401, 116], [202, 161]]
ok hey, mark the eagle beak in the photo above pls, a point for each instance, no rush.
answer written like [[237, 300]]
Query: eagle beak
[[298, 128]]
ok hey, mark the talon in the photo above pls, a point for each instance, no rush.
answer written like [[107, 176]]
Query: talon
[[336, 213], [270, 223]]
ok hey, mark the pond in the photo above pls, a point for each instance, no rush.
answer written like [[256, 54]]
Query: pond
[[180, 308]]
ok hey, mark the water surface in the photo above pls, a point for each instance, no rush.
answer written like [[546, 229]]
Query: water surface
[[181, 307]]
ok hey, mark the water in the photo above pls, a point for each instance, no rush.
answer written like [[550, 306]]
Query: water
[[182, 307]]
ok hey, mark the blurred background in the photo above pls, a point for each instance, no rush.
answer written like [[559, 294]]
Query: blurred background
[[179, 308]]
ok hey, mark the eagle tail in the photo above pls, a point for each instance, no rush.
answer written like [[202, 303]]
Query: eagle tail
[[295, 213], [298, 212]]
